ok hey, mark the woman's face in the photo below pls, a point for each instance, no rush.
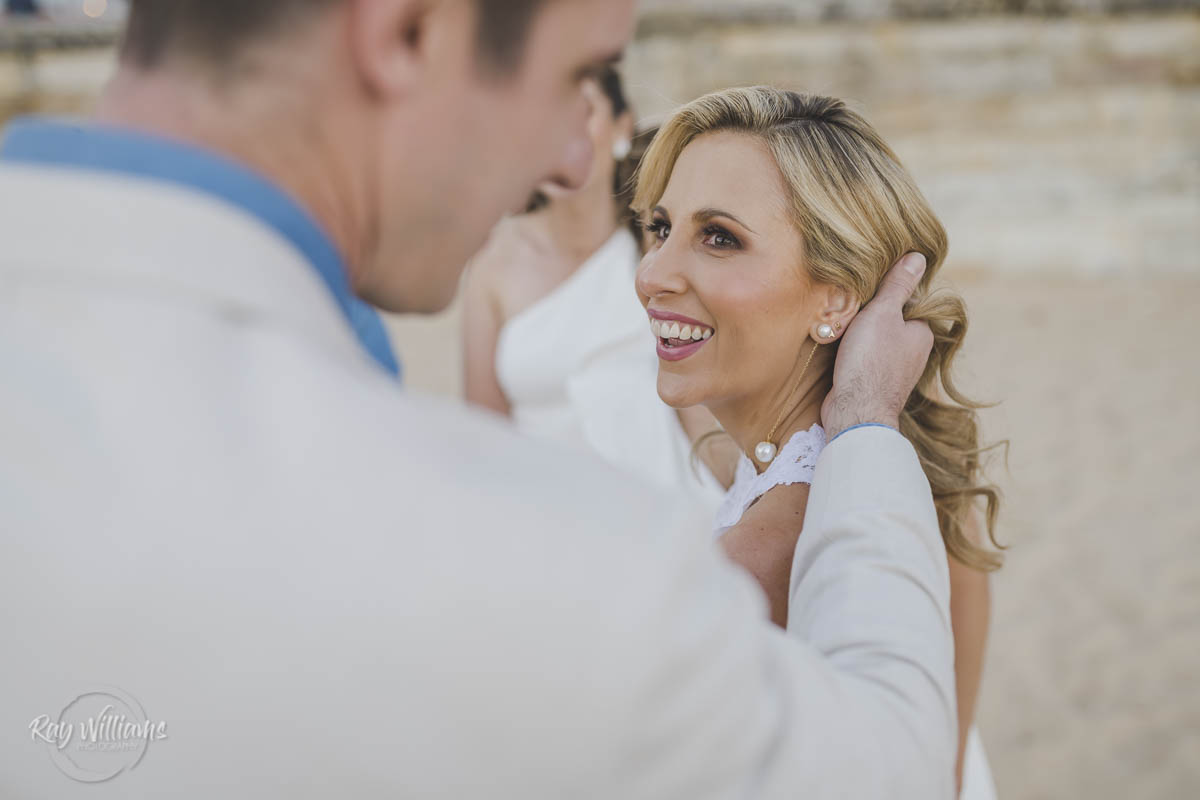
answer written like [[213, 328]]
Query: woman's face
[[605, 130], [724, 252]]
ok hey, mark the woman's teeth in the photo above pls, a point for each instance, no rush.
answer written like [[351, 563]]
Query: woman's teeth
[[664, 329]]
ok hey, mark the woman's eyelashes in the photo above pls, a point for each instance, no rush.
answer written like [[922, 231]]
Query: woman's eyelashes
[[658, 229], [714, 236], [718, 237]]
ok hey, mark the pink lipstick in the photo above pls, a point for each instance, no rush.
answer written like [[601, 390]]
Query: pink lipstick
[[676, 349]]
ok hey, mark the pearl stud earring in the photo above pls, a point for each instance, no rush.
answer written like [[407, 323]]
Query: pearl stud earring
[[621, 149], [825, 332]]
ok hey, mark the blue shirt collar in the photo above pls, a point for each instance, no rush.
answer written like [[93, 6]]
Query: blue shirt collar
[[88, 146]]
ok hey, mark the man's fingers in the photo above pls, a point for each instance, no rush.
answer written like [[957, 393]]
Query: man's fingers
[[921, 333], [901, 281]]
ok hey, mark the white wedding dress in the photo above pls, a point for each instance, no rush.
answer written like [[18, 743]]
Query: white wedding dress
[[795, 463], [579, 367]]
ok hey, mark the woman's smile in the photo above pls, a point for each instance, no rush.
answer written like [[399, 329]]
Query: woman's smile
[[678, 336]]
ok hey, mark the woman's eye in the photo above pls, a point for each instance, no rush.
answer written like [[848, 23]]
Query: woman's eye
[[719, 238], [659, 229]]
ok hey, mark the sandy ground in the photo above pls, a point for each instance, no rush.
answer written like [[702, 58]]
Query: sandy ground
[[1093, 681], [1093, 685]]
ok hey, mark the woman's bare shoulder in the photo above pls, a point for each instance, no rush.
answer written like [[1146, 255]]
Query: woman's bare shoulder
[[778, 513], [764, 542]]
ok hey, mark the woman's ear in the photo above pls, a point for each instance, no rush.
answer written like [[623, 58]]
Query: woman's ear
[[836, 310]]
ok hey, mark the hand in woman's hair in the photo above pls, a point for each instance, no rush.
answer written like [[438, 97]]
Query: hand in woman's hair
[[881, 356]]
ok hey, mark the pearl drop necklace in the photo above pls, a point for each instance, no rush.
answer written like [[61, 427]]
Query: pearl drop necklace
[[766, 451]]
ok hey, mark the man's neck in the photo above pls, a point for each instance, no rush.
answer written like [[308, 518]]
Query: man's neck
[[250, 126]]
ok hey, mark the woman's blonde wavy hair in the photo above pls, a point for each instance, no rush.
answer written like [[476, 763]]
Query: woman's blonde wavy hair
[[859, 211]]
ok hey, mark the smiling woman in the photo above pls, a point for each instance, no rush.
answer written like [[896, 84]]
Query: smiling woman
[[771, 215], [771, 218]]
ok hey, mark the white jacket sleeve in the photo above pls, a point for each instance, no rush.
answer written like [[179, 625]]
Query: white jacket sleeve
[[857, 699]]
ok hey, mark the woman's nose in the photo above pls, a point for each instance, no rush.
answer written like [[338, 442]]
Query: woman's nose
[[660, 273]]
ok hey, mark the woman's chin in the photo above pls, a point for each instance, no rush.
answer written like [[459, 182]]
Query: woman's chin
[[676, 393]]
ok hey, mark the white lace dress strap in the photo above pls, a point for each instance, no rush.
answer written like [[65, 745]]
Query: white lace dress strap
[[795, 463]]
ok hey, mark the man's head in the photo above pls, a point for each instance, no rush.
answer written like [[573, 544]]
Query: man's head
[[422, 121], [217, 30]]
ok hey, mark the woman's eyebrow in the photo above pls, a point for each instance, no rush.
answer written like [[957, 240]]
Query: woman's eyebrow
[[705, 214]]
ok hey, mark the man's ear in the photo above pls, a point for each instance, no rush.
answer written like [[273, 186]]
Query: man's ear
[[389, 43], [837, 308]]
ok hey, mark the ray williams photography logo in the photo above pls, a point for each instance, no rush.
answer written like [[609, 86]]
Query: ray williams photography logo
[[98, 735]]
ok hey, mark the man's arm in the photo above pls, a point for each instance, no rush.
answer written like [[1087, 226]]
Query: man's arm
[[870, 592], [855, 700], [870, 586]]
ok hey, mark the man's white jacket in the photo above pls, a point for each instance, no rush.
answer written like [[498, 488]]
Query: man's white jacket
[[213, 504]]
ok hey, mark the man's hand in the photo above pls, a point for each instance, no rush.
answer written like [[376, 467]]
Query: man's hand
[[881, 357]]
